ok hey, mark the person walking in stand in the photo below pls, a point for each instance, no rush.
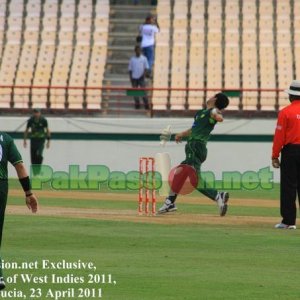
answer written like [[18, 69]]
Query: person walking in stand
[[196, 152], [39, 132], [138, 66], [287, 143], [10, 153], [148, 30]]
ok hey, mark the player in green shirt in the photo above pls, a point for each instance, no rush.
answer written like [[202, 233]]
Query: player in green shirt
[[196, 151], [10, 153], [39, 133]]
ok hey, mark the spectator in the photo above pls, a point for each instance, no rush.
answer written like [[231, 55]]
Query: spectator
[[147, 32], [138, 66]]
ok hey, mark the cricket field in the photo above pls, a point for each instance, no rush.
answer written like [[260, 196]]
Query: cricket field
[[190, 254]]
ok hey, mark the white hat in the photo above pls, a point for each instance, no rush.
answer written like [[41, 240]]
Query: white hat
[[294, 88]]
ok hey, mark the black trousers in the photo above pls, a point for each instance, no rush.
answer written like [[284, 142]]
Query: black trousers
[[289, 183], [36, 153], [140, 82]]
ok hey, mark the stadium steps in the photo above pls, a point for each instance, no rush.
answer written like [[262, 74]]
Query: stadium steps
[[125, 20], [116, 68], [133, 25], [122, 40]]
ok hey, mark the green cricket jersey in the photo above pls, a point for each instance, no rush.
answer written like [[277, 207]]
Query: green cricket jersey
[[203, 125], [8, 153], [38, 127]]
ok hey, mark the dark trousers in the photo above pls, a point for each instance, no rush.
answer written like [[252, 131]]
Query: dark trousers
[[195, 152], [289, 183], [140, 82], [3, 201], [36, 154]]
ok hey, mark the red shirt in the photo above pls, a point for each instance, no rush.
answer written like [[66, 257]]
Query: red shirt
[[288, 128]]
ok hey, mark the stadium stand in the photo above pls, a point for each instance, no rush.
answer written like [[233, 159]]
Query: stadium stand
[[231, 46], [52, 44], [125, 20], [210, 44]]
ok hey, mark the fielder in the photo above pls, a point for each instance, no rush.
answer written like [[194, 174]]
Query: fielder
[[39, 132], [196, 151], [9, 153]]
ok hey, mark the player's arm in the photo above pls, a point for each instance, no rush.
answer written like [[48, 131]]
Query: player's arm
[[48, 137], [279, 139], [216, 115], [28, 126], [130, 70], [31, 200], [25, 137], [181, 135]]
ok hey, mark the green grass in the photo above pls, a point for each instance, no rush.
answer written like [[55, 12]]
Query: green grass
[[132, 205], [162, 262], [258, 193]]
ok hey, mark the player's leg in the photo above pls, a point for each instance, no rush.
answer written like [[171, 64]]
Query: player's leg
[[142, 84], [298, 184], [192, 158], [176, 184], [39, 155], [180, 176], [3, 201], [288, 187], [40, 151], [36, 150], [33, 155], [136, 99], [147, 54], [196, 153], [204, 187], [151, 57]]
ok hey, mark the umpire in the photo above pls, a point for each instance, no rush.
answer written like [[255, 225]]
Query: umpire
[[39, 132], [287, 142]]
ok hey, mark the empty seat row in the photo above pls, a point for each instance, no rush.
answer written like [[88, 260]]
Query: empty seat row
[[230, 47], [48, 44]]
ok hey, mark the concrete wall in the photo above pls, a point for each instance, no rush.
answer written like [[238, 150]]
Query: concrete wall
[[124, 155]]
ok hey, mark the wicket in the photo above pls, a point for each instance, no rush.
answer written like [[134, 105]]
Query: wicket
[[147, 165]]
